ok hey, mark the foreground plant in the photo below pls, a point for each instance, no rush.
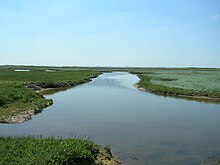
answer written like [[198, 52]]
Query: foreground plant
[[30, 150]]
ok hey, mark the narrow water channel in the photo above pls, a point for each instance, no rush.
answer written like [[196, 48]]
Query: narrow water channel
[[141, 128]]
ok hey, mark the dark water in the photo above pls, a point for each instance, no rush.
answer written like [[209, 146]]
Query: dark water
[[142, 128]]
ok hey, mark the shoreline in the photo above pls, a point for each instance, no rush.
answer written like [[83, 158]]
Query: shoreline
[[26, 115], [180, 96], [46, 89]]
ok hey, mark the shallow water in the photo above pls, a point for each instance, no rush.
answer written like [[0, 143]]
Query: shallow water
[[22, 70], [142, 128]]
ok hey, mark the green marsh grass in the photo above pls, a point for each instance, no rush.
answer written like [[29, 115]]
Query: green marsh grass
[[194, 83], [49, 150]]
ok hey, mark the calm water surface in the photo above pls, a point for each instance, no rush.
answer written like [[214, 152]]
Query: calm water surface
[[142, 128]]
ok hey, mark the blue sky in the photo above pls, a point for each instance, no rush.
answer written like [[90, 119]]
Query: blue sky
[[147, 33]]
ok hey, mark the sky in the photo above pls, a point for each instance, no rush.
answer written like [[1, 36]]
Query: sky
[[143, 33]]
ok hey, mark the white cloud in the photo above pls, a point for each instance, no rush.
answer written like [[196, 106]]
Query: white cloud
[[215, 17]]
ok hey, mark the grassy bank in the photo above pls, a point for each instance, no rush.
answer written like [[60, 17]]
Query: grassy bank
[[18, 104], [29, 150], [199, 84], [21, 92]]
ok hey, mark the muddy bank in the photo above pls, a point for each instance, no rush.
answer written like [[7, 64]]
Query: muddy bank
[[25, 114], [105, 157]]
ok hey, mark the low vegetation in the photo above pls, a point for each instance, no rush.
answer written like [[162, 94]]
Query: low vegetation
[[11, 93], [21, 92], [18, 103], [40, 151], [195, 83]]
